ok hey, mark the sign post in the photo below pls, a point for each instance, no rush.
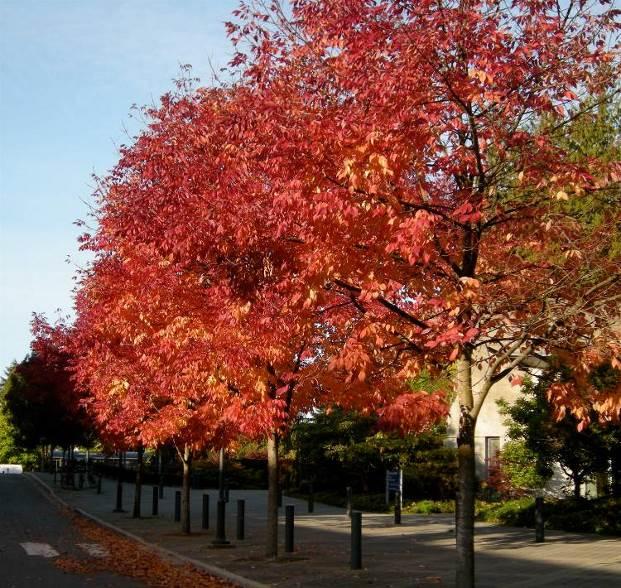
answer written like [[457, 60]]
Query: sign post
[[394, 483]]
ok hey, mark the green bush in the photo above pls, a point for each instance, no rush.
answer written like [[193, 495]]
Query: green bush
[[602, 515], [519, 470], [377, 503], [515, 513], [429, 507]]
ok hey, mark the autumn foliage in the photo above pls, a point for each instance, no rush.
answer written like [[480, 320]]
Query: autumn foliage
[[382, 191]]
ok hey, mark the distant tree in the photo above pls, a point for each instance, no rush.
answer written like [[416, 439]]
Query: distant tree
[[10, 450], [339, 448], [40, 400]]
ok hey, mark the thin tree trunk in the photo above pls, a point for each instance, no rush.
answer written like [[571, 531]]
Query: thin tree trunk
[[615, 466], [160, 478], [138, 485], [185, 492], [464, 514], [221, 489], [577, 484], [271, 546]]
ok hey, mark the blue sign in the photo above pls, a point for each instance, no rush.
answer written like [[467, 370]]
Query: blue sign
[[394, 483], [393, 479]]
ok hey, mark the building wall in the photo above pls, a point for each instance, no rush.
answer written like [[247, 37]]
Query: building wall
[[490, 424]]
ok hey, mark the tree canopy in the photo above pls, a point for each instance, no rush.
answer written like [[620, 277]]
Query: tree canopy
[[383, 190]]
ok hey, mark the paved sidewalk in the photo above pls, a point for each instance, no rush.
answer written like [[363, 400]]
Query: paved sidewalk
[[420, 552]]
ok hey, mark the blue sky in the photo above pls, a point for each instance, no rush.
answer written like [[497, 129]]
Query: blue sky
[[70, 71]]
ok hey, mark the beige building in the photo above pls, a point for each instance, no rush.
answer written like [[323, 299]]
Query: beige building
[[491, 433]]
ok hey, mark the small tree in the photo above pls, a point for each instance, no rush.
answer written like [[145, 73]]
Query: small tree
[[518, 471], [580, 454]]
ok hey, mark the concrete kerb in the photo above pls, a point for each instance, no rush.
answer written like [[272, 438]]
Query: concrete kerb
[[210, 569]]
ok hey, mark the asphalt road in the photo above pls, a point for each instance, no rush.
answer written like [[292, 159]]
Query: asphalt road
[[33, 533]]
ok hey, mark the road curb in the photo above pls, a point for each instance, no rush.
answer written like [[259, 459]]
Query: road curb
[[210, 569]]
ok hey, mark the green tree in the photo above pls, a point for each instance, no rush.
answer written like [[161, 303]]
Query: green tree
[[41, 407], [580, 454], [339, 449], [519, 468], [10, 449]]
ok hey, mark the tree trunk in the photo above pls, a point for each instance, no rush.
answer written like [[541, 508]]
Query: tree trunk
[[271, 546], [138, 485], [602, 484], [577, 484], [221, 489], [464, 512], [185, 492], [615, 470], [160, 475]]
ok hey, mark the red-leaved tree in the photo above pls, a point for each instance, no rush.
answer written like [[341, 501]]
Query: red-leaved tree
[[413, 169]]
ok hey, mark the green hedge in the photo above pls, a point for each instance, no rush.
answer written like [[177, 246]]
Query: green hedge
[[602, 515], [429, 507]]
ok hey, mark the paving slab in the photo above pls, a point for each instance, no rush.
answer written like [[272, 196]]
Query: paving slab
[[419, 552]]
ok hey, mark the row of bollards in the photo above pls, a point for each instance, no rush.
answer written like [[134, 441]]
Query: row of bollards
[[220, 516], [157, 494], [355, 516], [221, 540]]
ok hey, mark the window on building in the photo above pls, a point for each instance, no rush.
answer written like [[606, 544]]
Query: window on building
[[492, 449]]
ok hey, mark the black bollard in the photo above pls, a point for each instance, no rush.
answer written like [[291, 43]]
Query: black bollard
[[311, 499], [154, 503], [99, 484], [221, 525], [205, 522], [398, 507], [289, 522], [279, 494], [356, 540], [119, 486], [177, 506], [119, 497], [349, 492], [539, 531], [241, 508]]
